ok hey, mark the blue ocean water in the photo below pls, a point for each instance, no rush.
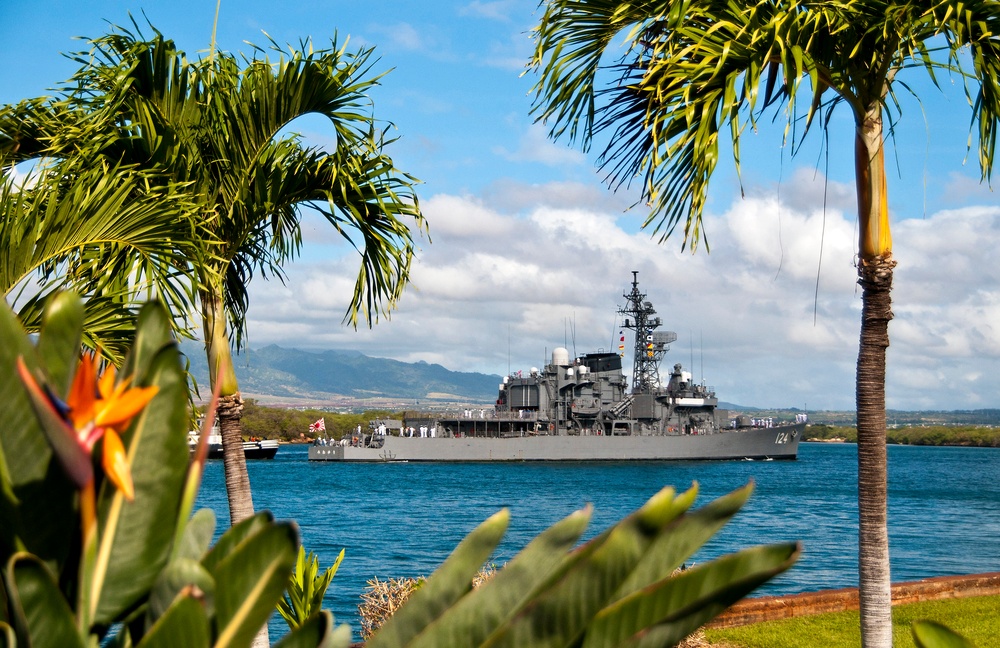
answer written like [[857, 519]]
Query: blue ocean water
[[403, 519]]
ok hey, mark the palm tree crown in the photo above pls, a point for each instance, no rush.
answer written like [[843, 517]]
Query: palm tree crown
[[217, 131], [692, 69]]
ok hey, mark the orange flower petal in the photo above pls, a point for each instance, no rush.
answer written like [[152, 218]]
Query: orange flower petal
[[63, 438], [82, 394], [120, 410], [116, 466], [106, 384]]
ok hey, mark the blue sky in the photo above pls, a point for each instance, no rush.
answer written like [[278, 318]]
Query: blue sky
[[526, 239]]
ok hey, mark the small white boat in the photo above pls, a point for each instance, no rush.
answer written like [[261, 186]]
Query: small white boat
[[254, 449]]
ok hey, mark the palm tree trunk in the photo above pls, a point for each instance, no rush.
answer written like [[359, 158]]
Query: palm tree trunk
[[230, 409], [875, 269], [874, 579], [228, 415]]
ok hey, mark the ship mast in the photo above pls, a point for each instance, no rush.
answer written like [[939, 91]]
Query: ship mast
[[650, 345]]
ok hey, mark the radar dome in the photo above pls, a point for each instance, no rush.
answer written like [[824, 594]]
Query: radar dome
[[560, 356]]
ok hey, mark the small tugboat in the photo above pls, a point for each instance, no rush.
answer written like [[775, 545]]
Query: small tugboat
[[252, 449], [581, 409]]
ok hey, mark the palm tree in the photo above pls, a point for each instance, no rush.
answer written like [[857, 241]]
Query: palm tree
[[219, 129], [691, 69], [93, 232]]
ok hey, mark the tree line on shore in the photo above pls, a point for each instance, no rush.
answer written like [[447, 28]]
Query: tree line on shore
[[293, 424], [933, 435]]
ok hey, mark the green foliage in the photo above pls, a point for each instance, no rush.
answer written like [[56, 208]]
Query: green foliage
[[293, 424], [663, 83], [129, 573], [933, 435], [931, 634], [831, 433], [80, 226], [622, 588], [213, 131], [306, 589]]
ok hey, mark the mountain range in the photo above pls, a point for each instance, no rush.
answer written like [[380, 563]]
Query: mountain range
[[291, 377], [274, 372]]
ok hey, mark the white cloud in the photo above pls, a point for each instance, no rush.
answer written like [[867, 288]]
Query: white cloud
[[535, 146], [496, 10], [432, 41], [963, 189], [404, 35], [512, 53], [500, 285]]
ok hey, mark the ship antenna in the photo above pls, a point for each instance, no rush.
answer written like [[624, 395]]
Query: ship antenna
[[573, 334], [650, 345], [508, 348], [691, 346]]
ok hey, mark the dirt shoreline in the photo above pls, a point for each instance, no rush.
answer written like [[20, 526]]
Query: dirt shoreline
[[771, 608]]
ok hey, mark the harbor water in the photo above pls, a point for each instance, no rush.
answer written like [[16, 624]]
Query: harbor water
[[402, 519]]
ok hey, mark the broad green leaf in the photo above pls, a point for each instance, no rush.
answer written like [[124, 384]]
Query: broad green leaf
[[197, 535], [33, 590], [683, 538], [137, 536], [7, 635], [45, 519], [153, 332], [59, 340], [182, 577], [234, 536], [184, 623], [449, 583], [36, 496], [470, 621], [317, 632], [4, 610], [250, 580], [590, 576], [667, 611], [931, 634], [22, 437]]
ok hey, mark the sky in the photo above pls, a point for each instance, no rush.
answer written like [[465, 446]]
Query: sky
[[529, 249]]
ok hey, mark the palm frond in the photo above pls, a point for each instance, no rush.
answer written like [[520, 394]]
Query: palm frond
[[691, 71]]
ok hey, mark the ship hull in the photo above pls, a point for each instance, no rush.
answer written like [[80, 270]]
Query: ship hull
[[251, 450], [754, 443], [264, 449]]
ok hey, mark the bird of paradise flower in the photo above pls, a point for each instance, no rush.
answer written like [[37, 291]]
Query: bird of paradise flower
[[97, 408]]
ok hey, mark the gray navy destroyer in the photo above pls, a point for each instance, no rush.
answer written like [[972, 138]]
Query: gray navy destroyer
[[581, 409]]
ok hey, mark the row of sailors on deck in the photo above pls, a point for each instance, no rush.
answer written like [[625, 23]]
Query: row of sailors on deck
[[424, 431]]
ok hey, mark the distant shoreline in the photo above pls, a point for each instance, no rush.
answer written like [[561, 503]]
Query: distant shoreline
[[937, 435]]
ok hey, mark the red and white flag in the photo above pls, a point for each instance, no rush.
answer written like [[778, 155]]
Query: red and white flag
[[318, 426]]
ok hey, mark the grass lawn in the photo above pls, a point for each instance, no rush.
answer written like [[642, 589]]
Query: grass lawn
[[977, 618]]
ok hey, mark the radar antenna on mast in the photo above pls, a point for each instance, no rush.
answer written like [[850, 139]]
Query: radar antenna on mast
[[650, 345]]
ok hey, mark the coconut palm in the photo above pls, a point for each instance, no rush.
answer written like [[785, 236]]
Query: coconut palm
[[93, 232], [219, 128], [692, 69]]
